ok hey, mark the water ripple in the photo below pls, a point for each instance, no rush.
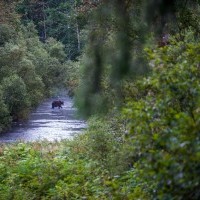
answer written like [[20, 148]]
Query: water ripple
[[46, 123]]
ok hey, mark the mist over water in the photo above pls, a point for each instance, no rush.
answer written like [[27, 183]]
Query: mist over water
[[48, 124]]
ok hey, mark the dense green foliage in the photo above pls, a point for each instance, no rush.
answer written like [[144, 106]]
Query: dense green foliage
[[58, 19], [118, 34], [140, 93], [164, 121], [29, 69], [67, 170]]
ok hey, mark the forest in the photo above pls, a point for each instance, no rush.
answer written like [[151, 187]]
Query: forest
[[133, 70]]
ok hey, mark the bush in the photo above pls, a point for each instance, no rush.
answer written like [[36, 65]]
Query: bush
[[4, 114], [61, 171], [164, 121], [6, 33], [15, 96]]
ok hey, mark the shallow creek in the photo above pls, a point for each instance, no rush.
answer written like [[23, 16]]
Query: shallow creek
[[46, 123]]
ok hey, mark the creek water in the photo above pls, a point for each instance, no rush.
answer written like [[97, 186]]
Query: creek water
[[48, 124]]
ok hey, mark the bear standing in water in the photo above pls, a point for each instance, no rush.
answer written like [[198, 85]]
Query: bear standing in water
[[57, 103]]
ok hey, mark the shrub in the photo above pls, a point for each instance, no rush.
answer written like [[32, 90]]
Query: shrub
[[164, 121], [15, 96], [4, 114]]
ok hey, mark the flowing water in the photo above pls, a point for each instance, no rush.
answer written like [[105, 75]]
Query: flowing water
[[46, 123]]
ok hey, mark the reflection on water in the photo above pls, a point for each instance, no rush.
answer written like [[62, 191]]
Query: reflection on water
[[46, 123]]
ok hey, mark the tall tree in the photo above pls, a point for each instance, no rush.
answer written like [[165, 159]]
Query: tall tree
[[58, 19]]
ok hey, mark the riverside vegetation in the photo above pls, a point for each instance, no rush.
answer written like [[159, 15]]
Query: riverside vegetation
[[141, 99]]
